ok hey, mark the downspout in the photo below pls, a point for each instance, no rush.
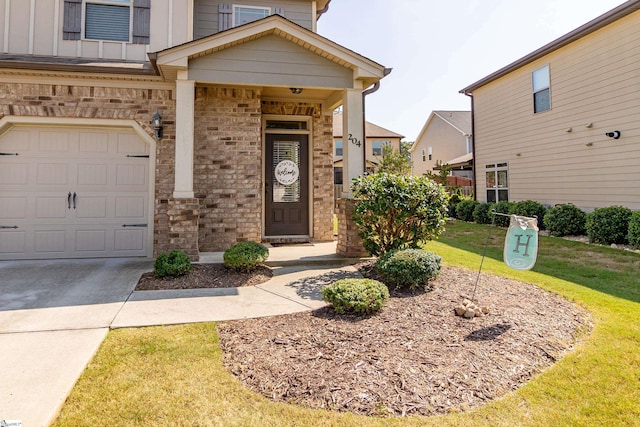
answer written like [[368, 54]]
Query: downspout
[[369, 91], [473, 146]]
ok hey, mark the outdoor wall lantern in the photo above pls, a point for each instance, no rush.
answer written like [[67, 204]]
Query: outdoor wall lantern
[[296, 90], [156, 121], [615, 134]]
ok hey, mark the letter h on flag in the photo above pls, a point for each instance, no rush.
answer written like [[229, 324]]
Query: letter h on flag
[[521, 243]]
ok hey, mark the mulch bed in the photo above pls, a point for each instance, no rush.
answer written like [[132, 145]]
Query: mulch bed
[[205, 276], [415, 357]]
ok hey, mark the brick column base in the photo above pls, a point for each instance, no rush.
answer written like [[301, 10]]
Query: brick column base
[[349, 243], [183, 226]]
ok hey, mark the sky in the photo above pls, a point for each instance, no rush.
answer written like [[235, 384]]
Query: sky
[[437, 47]]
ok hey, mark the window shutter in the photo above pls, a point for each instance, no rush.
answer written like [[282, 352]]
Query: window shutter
[[278, 11], [225, 15], [141, 21], [72, 25]]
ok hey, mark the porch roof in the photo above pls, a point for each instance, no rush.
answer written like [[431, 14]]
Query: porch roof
[[362, 71]]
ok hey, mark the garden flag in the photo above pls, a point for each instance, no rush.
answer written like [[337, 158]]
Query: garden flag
[[521, 243]]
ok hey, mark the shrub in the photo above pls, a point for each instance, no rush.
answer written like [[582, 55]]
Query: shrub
[[634, 230], [174, 264], [245, 256], [502, 207], [465, 209], [608, 225], [453, 202], [482, 213], [531, 209], [409, 268], [360, 296], [565, 220], [398, 211]]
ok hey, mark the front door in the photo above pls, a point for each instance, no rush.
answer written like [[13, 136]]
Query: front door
[[287, 185]]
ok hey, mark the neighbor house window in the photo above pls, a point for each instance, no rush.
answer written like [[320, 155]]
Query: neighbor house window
[[378, 147], [337, 176], [541, 89], [424, 155], [245, 14], [497, 181], [430, 153], [109, 20], [338, 147]]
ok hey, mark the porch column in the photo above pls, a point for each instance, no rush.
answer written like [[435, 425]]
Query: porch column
[[353, 148], [185, 104], [352, 139]]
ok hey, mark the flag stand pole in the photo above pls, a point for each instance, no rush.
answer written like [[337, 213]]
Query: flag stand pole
[[484, 252]]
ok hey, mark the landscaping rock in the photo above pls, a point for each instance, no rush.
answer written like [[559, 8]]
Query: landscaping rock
[[469, 310]]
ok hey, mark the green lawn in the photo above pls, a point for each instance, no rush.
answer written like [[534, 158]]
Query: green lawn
[[169, 376]]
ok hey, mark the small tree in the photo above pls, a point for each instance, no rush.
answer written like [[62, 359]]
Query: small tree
[[397, 211], [395, 162]]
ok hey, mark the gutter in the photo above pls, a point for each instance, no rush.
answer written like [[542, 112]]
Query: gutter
[[369, 91], [473, 146], [322, 11]]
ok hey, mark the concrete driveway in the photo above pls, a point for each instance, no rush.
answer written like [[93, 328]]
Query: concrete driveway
[[53, 317]]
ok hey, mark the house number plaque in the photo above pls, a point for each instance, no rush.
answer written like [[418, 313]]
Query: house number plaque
[[287, 172]]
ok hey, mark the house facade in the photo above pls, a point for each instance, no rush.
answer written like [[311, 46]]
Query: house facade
[[446, 138], [376, 138], [133, 127], [561, 124]]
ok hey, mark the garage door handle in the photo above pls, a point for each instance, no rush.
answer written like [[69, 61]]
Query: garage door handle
[[133, 225], [74, 199], [6, 227], [69, 200]]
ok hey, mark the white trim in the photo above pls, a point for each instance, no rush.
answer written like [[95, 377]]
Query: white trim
[[56, 25], [170, 25], [310, 143], [82, 80], [32, 24], [7, 14], [9, 122]]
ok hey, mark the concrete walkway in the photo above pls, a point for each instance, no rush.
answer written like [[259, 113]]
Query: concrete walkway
[[55, 314]]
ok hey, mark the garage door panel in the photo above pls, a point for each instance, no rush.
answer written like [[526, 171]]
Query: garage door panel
[[13, 208], [91, 207], [130, 207], [51, 207], [14, 174], [50, 242], [129, 143], [130, 239], [12, 242], [93, 142], [92, 174], [91, 241], [111, 209], [52, 174], [58, 141]]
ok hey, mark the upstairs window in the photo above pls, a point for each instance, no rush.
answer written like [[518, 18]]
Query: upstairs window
[[110, 20], [245, 14], [541, 90], [233, 15], [378, 147], [338, 147]]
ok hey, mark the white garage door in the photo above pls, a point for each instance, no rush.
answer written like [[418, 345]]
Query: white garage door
[[73, 193]]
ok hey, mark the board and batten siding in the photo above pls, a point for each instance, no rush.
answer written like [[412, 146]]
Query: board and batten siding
[[270, 60], [206, 13], [595, 88], [36, 28]]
